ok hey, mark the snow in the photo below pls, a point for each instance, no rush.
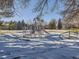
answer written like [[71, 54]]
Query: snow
[[13, 48]]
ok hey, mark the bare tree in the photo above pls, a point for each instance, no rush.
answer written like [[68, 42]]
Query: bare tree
[[71, 7], [7, 7]]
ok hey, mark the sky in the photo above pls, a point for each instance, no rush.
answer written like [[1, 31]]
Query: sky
[[27, 13]]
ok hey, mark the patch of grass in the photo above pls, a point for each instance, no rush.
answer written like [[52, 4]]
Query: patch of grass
[[7, 31], [74, 30]]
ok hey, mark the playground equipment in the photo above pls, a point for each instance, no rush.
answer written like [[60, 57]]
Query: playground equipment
[[36, 29]]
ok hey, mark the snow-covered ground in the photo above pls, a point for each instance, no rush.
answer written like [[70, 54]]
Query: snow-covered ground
[[42, 48]]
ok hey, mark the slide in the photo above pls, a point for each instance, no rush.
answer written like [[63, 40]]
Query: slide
[[46, 31]]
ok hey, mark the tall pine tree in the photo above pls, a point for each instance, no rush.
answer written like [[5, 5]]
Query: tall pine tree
[[59, 24], [52, 24]]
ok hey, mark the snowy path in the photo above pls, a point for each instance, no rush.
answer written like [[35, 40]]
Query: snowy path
[[41, 49]]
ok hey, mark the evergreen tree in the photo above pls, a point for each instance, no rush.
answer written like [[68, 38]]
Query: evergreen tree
[[12, 25], [19, 25], [52, 24], [1, 24], [23, 24], [59, 24]]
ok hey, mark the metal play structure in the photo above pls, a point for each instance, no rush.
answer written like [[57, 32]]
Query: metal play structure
[[36, 29]]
